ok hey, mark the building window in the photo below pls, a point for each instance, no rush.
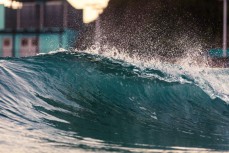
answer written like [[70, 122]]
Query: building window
[[35, 42], [6, 42], [24, 42], [29, 12], [53, 14]]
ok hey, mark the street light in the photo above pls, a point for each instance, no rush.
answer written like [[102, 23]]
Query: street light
[[11, 4], [91, 8]]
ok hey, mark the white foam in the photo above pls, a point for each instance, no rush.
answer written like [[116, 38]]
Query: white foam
[[214, 81]]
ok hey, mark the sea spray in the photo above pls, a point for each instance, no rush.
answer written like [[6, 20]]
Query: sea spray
[[211, 80]]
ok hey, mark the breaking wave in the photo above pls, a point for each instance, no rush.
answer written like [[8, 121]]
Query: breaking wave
[[83, 101]]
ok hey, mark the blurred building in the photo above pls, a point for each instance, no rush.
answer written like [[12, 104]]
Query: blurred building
[[39, 26]]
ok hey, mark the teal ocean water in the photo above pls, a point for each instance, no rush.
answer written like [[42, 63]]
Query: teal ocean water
[[81, 102]]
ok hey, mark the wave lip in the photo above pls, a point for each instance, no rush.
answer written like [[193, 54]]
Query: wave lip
[[89, 102]]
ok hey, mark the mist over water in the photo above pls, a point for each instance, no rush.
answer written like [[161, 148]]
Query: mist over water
[[160, 30]]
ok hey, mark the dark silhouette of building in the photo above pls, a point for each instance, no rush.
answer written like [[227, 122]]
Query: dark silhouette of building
[[38, 27]]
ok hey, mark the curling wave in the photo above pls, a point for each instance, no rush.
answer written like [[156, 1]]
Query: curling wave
[[88, 102]]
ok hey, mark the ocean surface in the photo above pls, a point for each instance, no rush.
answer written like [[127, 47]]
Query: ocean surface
[[84, 102]]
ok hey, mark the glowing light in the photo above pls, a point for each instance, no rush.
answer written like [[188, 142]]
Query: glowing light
[[91, 8], [11, 4]]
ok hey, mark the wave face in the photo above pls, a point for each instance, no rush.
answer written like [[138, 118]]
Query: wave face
[[83, 102]]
